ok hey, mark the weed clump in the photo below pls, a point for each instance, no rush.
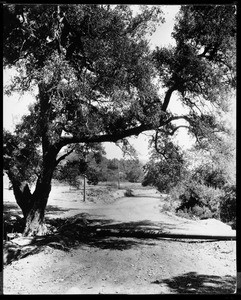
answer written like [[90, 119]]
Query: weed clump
[[129, 193]]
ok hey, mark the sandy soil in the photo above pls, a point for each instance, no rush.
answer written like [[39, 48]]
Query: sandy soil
[[112, 265]]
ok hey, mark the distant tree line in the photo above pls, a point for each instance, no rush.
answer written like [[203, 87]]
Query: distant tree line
[[99, 169]]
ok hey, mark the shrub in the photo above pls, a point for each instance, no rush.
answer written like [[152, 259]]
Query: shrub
[[202, 212], [200, 200], [165, 173], [112, 184], [210, 176], [186, 213], [168, 206], [129, 193], [228, 205], [172, 201], [197, 210]]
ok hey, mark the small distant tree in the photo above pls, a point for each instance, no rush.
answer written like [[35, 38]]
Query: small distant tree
[[166, 166], [84, 162], [113, 164], [134, 175], [69, 173], [132, 170]]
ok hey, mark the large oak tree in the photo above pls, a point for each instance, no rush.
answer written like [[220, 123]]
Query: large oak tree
[[96, 80]]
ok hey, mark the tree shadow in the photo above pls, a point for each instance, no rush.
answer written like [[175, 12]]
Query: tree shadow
[[130, 225], [111, 243], [142, 228], [54, 208], [194, 283], [76, 232], [88, 230], [51, 208], [65, 243]]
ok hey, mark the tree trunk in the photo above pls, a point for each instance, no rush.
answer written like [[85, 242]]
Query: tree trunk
[[35, 224], [33, 205], [23, 196]]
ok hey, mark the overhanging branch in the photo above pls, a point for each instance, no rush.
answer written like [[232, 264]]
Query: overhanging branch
[[113, 137]]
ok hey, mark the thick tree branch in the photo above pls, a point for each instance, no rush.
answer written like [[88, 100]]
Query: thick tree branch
[[167, 98], [114, 137], [63, 156]]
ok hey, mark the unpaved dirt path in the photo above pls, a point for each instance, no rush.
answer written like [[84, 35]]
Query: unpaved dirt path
[[144, 207], [110, 265]]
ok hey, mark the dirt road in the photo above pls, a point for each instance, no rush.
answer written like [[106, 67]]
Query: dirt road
[[144, 208], [111, 265]]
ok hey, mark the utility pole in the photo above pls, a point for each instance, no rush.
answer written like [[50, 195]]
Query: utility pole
[[118, 175], [84, 195], [85, 159]]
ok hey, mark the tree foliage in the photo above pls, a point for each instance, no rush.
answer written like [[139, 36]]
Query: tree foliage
[[200, 200], [166, 166], [201, 184], [133, 170], [201, 67], [21, 157], [228, 205], [91, 66], [98, 168], [83, 161]]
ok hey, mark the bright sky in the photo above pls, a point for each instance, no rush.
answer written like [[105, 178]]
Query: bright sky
[[15, 106]]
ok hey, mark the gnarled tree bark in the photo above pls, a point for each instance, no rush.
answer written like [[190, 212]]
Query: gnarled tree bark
[[34, 222], [32, 205]]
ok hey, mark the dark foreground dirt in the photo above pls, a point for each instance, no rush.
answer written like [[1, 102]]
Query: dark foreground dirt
[[74, 260]]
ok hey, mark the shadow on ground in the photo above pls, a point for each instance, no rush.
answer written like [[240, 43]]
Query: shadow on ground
[[54, 208], [145, 224], [194, 283], [84, 230], [80, 230]]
